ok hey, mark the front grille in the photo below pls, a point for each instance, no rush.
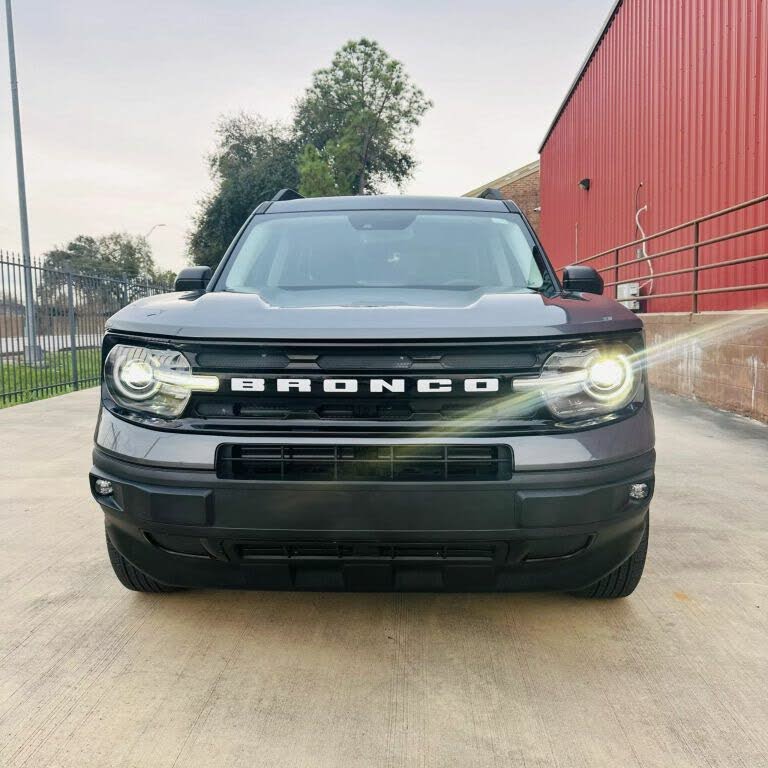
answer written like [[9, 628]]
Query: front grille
[[365, 463], [317, 412]]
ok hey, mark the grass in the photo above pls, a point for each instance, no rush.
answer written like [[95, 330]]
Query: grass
[[20, 383]]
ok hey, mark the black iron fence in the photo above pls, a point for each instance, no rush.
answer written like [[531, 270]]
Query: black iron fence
[[51, 325]]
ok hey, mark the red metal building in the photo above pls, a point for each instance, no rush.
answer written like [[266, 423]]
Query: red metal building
[[668, 121]]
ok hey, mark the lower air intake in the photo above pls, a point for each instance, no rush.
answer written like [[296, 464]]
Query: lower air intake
[[373, 463]]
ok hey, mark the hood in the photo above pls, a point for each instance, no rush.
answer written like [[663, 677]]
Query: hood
[[370, 314]]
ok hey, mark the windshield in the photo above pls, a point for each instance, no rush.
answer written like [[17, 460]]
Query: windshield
[[386, 250]]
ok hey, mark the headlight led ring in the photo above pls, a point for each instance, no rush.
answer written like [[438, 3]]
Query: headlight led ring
[[135, 379]]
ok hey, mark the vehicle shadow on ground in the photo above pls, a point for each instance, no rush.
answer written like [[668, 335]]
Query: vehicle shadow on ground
[[315, 618]]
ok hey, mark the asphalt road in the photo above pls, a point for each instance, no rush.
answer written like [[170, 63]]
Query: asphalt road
[[674, 676]]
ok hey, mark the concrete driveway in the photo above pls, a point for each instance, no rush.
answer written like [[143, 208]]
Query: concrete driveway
[[674, 676]]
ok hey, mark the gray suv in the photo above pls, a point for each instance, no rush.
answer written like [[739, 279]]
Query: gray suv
[[377, 393]]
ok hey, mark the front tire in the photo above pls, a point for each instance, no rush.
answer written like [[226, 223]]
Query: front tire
[[622, 581], [132, 578]]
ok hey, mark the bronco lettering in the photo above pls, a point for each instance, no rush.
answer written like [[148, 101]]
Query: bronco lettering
[[352, 386]]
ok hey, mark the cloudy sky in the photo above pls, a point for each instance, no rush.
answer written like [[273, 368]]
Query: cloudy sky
[[119, 98]]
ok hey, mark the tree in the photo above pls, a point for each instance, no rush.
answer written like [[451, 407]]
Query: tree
[[351, 134], [126, 259], [316, 173], [118, 255], [165, 277], [359, 114], [253, 160]]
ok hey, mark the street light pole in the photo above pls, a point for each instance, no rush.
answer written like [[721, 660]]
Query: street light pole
[[32, 352]]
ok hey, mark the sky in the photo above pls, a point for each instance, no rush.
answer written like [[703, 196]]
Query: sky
[[119, 99]]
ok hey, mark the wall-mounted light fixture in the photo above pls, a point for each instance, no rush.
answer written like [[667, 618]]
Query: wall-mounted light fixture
[[585, 184]]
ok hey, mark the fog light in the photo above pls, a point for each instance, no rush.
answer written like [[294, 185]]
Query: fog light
[[638, 491], [103, 487]]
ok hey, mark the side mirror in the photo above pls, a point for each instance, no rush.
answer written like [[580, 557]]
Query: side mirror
[[192, 279], [583, 279]]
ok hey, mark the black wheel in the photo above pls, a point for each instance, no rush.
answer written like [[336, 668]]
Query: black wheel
[[622, 581], [133, 578]]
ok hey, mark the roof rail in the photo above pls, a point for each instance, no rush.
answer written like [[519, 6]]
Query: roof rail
[[287, 194], [491, 193]]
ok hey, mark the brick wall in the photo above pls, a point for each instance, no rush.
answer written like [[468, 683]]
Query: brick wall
[[720, 358], [522, 186], [526, 193]]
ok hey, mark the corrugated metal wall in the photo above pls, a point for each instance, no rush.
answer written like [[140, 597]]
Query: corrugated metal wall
[[675, 97]]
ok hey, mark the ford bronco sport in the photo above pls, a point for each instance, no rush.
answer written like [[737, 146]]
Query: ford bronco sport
[[377, 393]]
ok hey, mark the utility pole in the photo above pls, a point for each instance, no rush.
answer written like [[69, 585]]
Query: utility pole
[[33, 354]]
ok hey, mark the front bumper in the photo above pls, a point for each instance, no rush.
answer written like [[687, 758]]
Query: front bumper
[[560, 528]]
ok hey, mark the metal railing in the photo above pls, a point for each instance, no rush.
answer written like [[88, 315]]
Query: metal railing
[[695, 247], [68, 310]]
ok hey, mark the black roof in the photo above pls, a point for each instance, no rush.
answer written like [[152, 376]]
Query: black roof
[[388, 203]]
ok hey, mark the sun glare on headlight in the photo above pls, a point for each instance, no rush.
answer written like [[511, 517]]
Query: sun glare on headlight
[[586, 381], [606, 374], [609, 377]]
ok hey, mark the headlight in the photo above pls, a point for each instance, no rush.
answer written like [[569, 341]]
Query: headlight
[[158, 381], [585, 382]]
